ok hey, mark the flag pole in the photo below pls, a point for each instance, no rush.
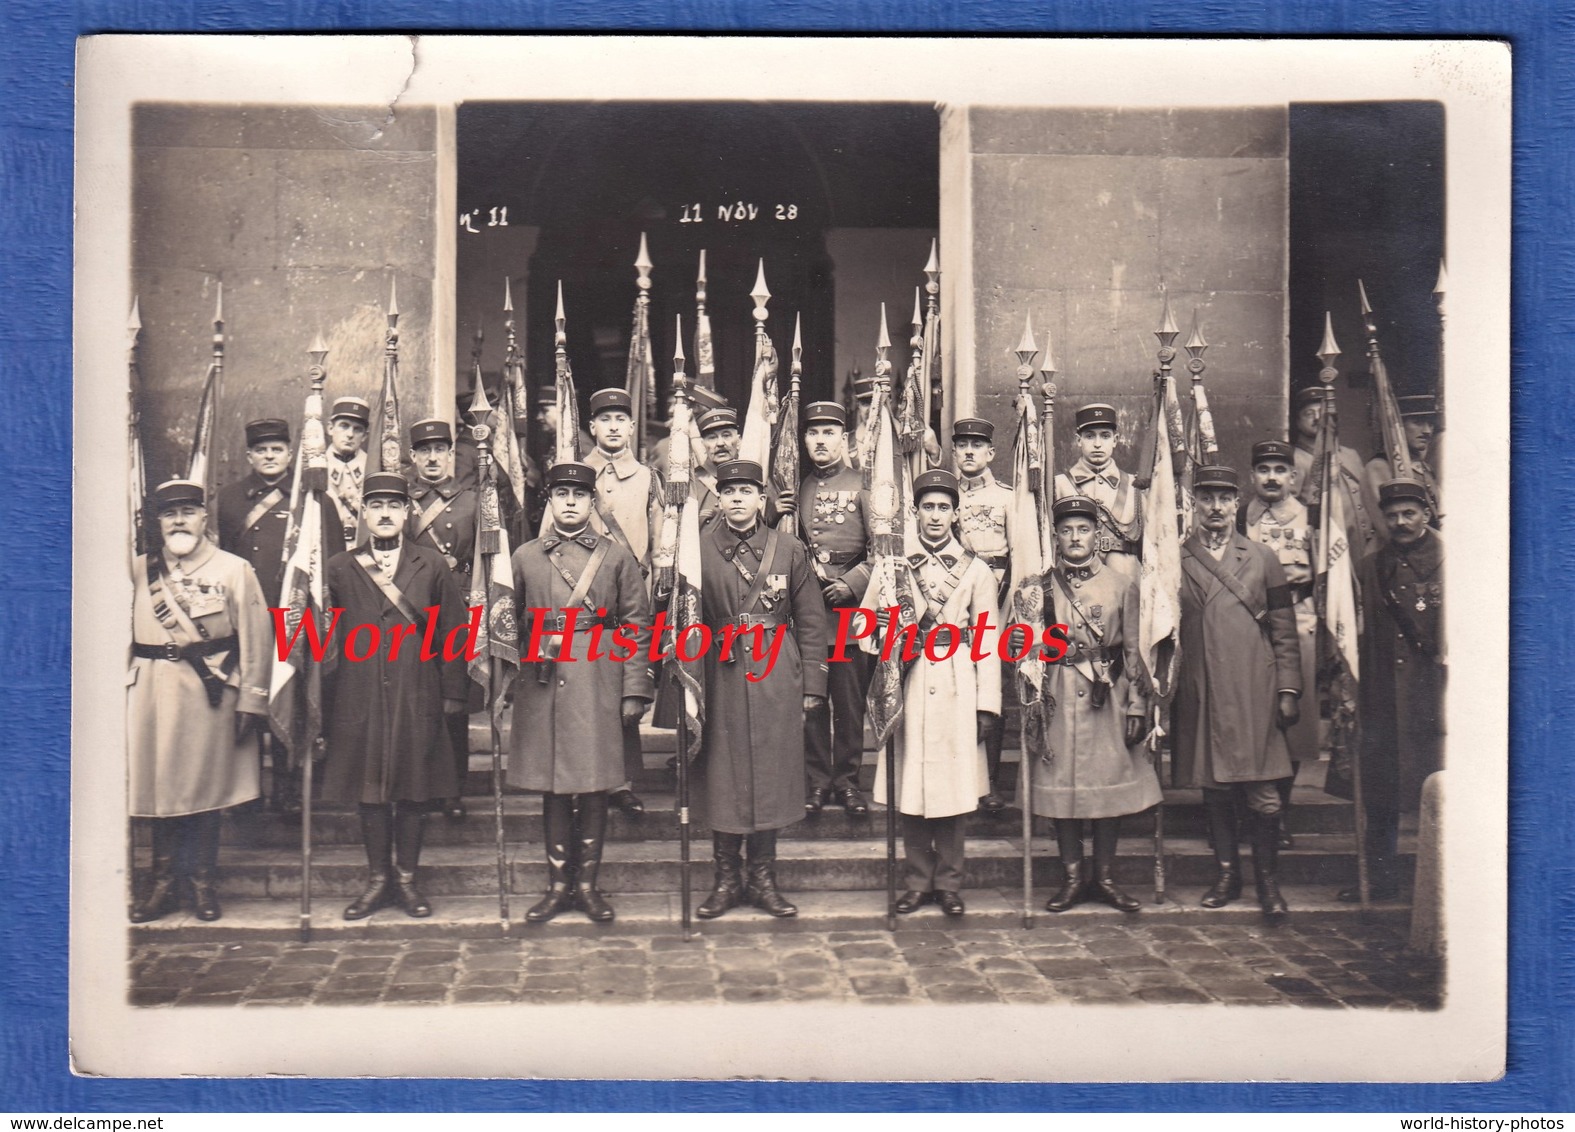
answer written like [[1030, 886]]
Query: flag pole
[[1388, 410], [1328, 351], [1027, 351], [933, 406], [882, 397], [681, 398], [319, 377]]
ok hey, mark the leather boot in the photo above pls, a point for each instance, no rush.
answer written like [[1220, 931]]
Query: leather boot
[[377, 834], [408, 819], [203, 830], [590, 834], [762, 891], [1074, 889], [557, 818], [1266, 865], [1106, 833], [728, 849], [1220, 806], [162, 895]]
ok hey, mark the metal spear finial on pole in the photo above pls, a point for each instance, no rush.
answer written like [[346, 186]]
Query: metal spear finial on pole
[[1027, 350], [1195, 345], [134, 323], [762, 296]]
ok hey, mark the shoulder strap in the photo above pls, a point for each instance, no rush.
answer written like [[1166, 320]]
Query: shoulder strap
[[580, 588], [768, 559], [382, 581], [1232, 585], [167, 606], [267, 503], [429, 513]]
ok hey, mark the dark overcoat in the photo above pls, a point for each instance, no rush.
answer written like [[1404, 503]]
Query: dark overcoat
[[1225, 723], [1403, 672], [754, 730], [567, 736], [387, 740]]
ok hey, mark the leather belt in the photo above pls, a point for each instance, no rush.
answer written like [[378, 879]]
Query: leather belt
[[996, 561], [749, 620], [171, 651], [836, 557], [582, 622], [1299, 592]]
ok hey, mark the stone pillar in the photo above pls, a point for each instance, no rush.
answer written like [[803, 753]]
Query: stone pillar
[[1427, 898]]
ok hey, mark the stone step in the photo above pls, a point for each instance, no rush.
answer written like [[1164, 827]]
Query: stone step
[[474, 917], [803, 866], [1312, 811]]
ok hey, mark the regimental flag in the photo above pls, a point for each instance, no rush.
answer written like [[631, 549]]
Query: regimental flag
[[1033, 553], [785, 443], [911, 419], [893, 534], [1159, 580], [202, 438], [497, 655], [640, 374], [390, 434], [705, 356], [764, 409], [506, 450], [1338, 602], [138, 481], [295, 687], [568, 447]]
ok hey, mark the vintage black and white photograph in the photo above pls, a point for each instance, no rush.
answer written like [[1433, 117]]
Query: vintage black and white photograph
[[627, 558]]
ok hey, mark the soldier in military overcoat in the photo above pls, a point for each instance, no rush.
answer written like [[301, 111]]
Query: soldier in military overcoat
[[831, 511], [196, 698], [1093, 770], [388, 743], [753, 742]]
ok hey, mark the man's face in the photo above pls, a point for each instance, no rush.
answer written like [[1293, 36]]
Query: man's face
[[1097, 443], [433, 460], [825, 443], [346, 435], [740, 501], [973, 454], [547, 416], [721, 445], [1307, 419], [610, 430], [1419, 435], [1272, 478], [269, 458], [571, 505], [1074, 538], [1216, 508], [385, 515], [182, 527], [936, 512], [1407, 521]]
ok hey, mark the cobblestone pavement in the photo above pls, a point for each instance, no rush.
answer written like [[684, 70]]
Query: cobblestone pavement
[[1352, 966]]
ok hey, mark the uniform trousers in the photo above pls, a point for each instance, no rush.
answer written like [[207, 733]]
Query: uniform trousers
[[933, 853], [834, 739]]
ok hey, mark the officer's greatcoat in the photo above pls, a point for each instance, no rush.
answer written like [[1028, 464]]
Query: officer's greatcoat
[[182, 751], [568, 725], [1403, 671], [1233, 667], [387, 741], [1284, 529], [443, 517], [251, 515], [941, 769], [754, 731], [1088, 771]]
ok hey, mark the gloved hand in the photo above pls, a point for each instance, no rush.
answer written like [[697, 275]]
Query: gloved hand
[[633, 709], [986, 724], [813, 703], [453, 707], [1136, 729], [1290, 709], [838, 593]]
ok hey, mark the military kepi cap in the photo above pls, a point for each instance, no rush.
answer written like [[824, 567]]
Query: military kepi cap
[[973, 428], [1071, 506], [740, 471], [825, 412], [610, 400], [385, 483], [1418, 405], [351, 408], [863, 388], [1306, 395], [433, 429], [713, 419], [269, 428], [570, 473], [936, 479], [1096, 414], [1215, 475], [1266, 450], [1396, 490], [706, 398], [177, 493]]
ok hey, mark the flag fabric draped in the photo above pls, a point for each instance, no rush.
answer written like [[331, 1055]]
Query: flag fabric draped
[[705, 356], [1033, 553], [295, 687], [676, 565], [785, 449], [761, 416], [202, 438], [1339, 604], [909, 413], [389, 432], [640, 375], [893, 534], [568, 446], [1159, 601], [497, 655], [506, 451]]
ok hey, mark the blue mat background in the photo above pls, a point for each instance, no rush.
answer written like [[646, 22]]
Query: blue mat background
[[36, 60]]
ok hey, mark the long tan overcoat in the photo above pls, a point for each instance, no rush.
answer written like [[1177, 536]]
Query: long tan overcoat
[[1225, 723], [567, 736], [941, 769], [183, 755]]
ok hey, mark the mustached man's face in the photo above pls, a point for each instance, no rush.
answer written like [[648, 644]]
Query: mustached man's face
[[740, 502], [1074, 538], [972, 454], [571, 506], [825, 443], [1307, 420], [1272, 479], [270, 458], [1216, 508], [385, 515], [182, 528], [1419, 435], [936, 513], [1407, 521], [434, 460], [721, 445]]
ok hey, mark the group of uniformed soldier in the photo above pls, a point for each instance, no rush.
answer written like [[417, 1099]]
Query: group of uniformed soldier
[[783, 741]]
